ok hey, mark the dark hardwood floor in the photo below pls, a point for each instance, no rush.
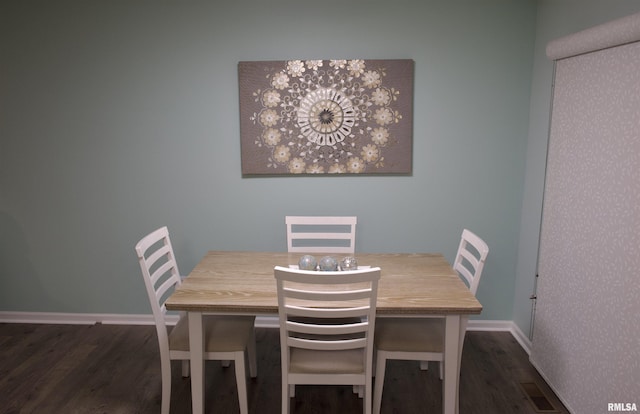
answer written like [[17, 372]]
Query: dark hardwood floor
[[88, 369]]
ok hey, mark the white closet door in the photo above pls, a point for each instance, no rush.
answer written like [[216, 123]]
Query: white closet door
[[586, 339]]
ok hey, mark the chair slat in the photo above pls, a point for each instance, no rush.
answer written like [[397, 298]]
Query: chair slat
[[168, 267], [310, 295], [328, 278], [163, 251], [322, 236], [303, 240], [328, 313], [340, 345], [307, 328], [165, 287]]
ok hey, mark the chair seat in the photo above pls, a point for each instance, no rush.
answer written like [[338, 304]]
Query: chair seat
[[304, 361], [409, 335], [222, 333]]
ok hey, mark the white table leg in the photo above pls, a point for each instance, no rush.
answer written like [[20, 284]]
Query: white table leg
[[455, 329], [196, 345], [464, 319], [451, 366]]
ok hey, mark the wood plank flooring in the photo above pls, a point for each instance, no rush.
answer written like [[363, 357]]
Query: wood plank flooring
[[112, 369]]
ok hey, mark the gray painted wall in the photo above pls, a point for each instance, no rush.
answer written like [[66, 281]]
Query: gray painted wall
[[119, 117]]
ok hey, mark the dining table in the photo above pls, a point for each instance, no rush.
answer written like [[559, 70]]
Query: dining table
[[243, 283]]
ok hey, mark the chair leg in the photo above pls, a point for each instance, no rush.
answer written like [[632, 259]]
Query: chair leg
[[251, 351], [373, 363], [241, 380], [366, 397], [165, 368], [381, 366], [285, 395]]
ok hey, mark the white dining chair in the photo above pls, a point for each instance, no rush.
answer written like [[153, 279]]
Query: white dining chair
[[422, 339], [227, 338], [317, 346], [321, 234]]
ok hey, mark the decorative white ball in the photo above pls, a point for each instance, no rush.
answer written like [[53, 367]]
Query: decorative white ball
[[349, 263], [328, 264], [307, 262]]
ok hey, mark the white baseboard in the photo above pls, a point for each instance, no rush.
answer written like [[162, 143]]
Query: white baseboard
[[509, 326], [522, 339], [103, 318], [74, 318], [267, 321], [481, 325]]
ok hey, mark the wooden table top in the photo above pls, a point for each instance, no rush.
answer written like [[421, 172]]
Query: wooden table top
[[243, 282]]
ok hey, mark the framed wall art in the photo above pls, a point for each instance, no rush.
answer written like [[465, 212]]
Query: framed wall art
[[326, 117]]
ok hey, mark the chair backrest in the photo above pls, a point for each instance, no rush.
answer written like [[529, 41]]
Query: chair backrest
[[159, 270], [469, 262], [312, 307], [321, 234]]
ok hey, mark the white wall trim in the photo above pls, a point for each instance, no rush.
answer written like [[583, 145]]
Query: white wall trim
[[55, 318], [522, 339], [482, 325], [509, 326], [77, 318], [267, 321]]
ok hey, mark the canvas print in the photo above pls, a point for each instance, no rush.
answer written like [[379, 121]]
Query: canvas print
[[326, 116]]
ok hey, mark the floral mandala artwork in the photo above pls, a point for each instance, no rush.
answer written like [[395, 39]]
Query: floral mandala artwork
[[326, 116]]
